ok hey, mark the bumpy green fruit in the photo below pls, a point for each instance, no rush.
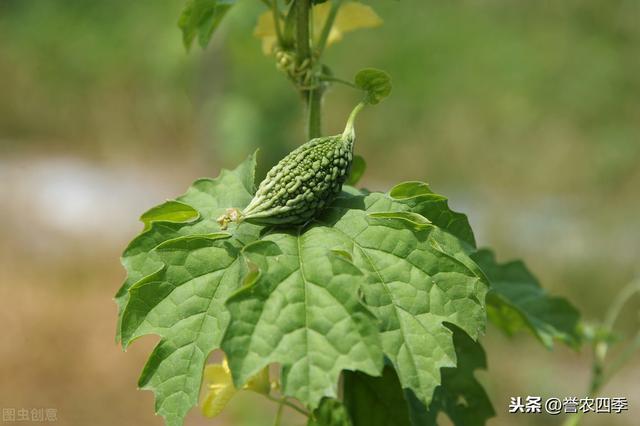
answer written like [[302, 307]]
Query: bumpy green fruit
[[303, 182]]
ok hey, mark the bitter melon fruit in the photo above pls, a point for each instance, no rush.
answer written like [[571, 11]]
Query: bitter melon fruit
[[304, 182]]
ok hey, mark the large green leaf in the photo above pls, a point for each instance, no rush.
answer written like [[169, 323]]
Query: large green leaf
[[413, 282], [370, 277], [184, 304], [461, 397], [417, 278], [180, 270], [517, 301], [208, 198], [380, 401], [301, 310]]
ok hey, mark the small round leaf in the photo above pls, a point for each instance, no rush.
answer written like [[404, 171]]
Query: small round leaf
[[376, 83]]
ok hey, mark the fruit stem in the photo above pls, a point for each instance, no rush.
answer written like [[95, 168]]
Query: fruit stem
[[349, 131]]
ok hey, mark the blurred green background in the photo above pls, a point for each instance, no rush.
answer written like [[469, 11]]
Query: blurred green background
[[525, 113]]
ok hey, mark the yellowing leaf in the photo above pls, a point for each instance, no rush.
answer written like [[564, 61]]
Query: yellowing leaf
[[266, 30], [260, 382], [351, 16], [219, 388]]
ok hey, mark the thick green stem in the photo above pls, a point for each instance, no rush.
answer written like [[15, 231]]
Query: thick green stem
[[303, 44], [313, 96]]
